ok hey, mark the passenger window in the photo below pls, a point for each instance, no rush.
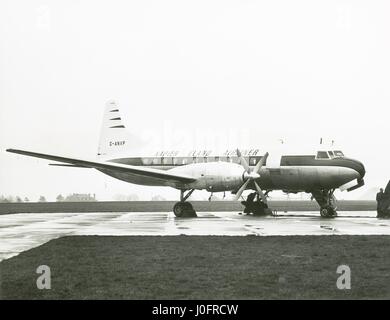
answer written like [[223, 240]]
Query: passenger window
[[177, 161], [167, 161], [217, 158], [331, 154], [156, 161], [254, 160], [322, 155], [188, 160], [235, 159], [147, 161]]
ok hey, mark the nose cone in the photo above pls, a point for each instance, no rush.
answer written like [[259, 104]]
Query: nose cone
[[359, 167]]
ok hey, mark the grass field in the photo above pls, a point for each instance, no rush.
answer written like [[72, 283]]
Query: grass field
[[207, 267]]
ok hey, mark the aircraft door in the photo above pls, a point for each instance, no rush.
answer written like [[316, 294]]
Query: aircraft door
[[273, 160]]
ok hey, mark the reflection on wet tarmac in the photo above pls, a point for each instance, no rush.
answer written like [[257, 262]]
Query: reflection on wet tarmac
[[20, 232]]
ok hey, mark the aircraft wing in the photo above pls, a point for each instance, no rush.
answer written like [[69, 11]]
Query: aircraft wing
[[67, 165], [116, 167]]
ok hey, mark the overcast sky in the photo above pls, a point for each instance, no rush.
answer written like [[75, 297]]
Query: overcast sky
[[237, 73]]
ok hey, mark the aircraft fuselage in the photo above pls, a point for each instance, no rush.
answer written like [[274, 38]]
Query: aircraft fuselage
[[224, 173]]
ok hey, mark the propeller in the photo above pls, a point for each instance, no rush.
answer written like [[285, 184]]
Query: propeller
[[251, 176]]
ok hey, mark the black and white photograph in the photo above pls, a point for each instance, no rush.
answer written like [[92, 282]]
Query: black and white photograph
[[217, 151]]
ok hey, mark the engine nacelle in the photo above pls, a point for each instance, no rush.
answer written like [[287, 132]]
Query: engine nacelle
[[223, 177], [214, 176]]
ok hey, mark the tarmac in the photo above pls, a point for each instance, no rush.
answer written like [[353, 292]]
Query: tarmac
[[21, 232]]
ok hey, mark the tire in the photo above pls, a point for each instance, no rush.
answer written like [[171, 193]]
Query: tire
[[189, 210], [328, 212], [184, 209], [178, 209], [187, 206], [324, 212]]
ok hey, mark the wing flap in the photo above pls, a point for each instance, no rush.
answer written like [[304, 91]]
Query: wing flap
[[116, 167]]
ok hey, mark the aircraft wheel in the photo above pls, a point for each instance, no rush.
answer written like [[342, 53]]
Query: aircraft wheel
[[189, 210], [184, 209], [328, 212], [187, 206], [179, 209]]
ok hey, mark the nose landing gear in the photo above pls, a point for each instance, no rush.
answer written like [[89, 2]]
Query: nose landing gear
[[328, 212], [327, 202]]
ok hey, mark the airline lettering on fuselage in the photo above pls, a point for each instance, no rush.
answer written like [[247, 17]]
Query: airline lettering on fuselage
[[166, 154], [247, 152], [117, 143], [206, 153]]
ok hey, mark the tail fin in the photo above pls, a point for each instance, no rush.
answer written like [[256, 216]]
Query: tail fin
[[114, 137]]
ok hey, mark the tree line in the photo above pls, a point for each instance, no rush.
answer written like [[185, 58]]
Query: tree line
[[59, 198]]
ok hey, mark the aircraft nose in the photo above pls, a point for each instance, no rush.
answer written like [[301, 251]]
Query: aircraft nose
[[359, 167]]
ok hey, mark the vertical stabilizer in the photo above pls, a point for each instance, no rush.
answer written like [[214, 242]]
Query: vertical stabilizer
[[114, 138]]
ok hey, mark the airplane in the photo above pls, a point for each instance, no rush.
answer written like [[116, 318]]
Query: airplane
[[232, 170]]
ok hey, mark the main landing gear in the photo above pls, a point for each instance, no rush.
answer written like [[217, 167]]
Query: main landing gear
[[183, 208], [327, 202], [258, 207]]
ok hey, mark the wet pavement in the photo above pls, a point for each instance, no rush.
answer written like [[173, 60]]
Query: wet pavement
[[21, 232]]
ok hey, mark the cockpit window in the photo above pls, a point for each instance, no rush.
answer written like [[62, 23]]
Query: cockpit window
[[331, 154], [338, 153], [322, 155]]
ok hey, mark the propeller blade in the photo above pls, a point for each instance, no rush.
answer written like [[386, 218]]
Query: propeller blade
[[243, 161], [261, 163], [260, 192], [241, 190]]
